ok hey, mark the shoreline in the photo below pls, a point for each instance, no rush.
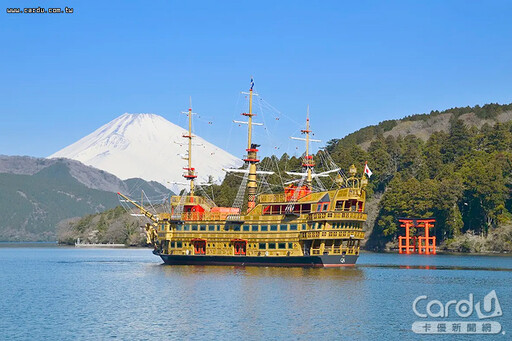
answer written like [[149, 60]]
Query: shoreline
[[43, 244], [443, 253]]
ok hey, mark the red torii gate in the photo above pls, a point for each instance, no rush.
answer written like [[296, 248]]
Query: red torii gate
[[417, 244]]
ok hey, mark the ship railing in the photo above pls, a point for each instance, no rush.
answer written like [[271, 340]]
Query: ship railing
[[337, 215], [187, 216], [336, 250], [354, 192], [269, 198], [349, 193], [332, 234]]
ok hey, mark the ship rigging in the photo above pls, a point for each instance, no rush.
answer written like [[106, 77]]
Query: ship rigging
[[303, 225]]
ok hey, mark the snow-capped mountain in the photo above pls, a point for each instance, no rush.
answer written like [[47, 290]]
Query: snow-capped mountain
[[148, 146]]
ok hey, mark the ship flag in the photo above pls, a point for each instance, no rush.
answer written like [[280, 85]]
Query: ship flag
[[252, 83], [367, 170]]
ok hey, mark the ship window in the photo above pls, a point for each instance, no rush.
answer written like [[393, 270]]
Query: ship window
[[290, 245], [281, 245], [273, 227], [271, 245], [194, 227], [264, 227], [178, 244], [262, 245], [293, 227], [283, 227], [236, 228], [211, 227], [339, 204], [173, 244], [203, 228], [163, 227], [179, 227], [254, 228], [319, 208], [326, 207], [186, 227], [246, 227]]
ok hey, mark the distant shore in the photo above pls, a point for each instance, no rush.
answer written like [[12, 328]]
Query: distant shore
[[55, 243]]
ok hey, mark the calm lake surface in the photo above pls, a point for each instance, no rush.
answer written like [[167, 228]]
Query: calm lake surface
[[54, 293]]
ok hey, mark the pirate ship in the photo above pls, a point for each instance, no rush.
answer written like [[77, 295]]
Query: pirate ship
[[301, 226]]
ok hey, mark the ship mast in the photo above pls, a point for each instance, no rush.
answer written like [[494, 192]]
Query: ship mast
[[307, 163], [308, 159], [250, 174], [190, 171], [252, 156]]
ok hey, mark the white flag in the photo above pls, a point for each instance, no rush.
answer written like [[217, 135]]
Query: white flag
[[367, 170]]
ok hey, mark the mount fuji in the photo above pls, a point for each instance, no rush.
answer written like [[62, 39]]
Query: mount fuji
[[150, 147]]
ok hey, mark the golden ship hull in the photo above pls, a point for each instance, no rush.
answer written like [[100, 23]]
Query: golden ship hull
[[267, 236]]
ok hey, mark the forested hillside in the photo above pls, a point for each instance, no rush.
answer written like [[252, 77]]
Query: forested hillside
[[36, 194], [462, 178], [32, 205], [115, 225]]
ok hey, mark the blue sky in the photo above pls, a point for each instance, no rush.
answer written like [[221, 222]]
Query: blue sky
[[355, 63]]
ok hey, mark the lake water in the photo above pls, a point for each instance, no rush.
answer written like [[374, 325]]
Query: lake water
[[55, 293]]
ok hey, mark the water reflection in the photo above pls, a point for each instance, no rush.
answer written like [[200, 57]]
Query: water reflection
[[343, 274]]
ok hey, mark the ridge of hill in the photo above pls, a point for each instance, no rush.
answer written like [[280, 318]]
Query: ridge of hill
[[424, 125]]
